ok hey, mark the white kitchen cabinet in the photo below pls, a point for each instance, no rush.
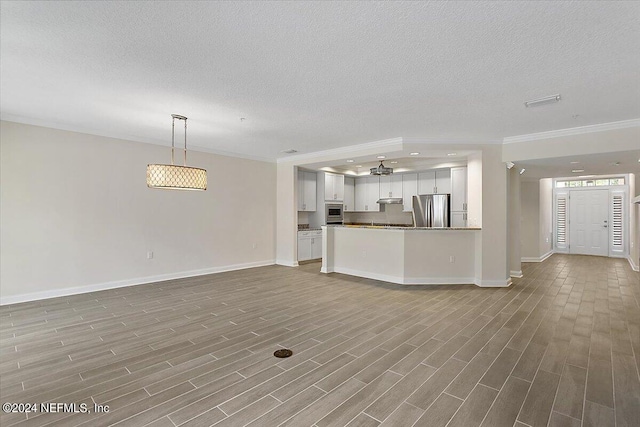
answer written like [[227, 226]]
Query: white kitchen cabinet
[[333, 187], [373, 193], [443, 181], [367, 194], [458, 219], [391, 186], [427, 182], [349, 194], [458, 189], [316, 247], [309, 245], [409, 189], [360, 194], [306, 191], [435, 181]]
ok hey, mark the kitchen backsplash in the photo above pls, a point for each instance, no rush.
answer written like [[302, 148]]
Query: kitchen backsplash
[[392, 214], [303, 218]]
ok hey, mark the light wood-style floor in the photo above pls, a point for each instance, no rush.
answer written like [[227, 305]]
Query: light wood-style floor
[[561, 347]]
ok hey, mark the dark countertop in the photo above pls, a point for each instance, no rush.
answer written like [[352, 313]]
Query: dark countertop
[[405, 227]]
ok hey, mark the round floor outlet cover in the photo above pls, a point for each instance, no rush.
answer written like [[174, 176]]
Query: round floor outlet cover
[[283, 352]]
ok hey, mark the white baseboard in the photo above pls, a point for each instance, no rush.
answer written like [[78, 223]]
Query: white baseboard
[[54, 293], [516, 274], [634, 266], [537, 259], [494, 283], [287, 262]]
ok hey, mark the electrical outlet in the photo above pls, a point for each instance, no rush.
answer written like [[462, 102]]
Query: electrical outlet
[[547, 240], [452, 259], [150, 255]]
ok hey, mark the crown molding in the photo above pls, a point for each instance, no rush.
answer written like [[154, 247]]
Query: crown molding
[[127, 138], [393, 143], [447, 141], [573, 131]]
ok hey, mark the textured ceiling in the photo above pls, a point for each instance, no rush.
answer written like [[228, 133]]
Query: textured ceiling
[[317, 75]]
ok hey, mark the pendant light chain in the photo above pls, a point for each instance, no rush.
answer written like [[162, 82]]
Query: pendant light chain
[[185, 141], [173, 138]]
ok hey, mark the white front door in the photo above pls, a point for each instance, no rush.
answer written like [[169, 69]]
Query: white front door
[[588, 227]]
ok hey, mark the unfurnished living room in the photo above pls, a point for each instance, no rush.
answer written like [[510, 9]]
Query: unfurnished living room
[[312, 213]]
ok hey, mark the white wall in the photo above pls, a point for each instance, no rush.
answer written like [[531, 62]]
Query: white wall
[[530, 220], [634, 222], [537, 212], [76, 212], [546, 217], [494, 246], [287, 217], [474, 190], [606, 141], [515, 262]]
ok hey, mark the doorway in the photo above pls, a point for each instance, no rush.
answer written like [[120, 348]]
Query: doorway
[[589, 222]]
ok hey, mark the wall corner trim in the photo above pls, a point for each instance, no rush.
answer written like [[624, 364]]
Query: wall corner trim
[[286, 263], [494, 283], [55, 293], [633, 265]]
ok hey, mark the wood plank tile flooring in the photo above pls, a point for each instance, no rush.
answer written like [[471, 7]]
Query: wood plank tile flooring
[[560, 347]]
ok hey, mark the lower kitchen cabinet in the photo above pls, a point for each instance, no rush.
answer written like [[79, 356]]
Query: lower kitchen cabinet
[[309, 245]]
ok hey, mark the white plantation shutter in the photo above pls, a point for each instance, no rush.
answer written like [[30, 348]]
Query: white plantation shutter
[[617, 222], [562, 221]]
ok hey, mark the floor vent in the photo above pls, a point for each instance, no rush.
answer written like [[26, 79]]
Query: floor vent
[[283, 352]]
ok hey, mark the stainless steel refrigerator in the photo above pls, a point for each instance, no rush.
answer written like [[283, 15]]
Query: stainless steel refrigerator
[[432, 210]]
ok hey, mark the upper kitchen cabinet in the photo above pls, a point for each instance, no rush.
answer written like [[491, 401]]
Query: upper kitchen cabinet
[[435, 181], [409, 189], [349, 194], [367, 194], [458, 189], [306, 191], [333, 187], [391, 186]]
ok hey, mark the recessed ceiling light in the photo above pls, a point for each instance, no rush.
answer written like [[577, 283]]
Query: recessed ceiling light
[[452, 154], [577, 170], [586, 176], [414, 154], [574, 163], [382, 157], [394, 162], [358, 166], [350, 161], [542, 101]]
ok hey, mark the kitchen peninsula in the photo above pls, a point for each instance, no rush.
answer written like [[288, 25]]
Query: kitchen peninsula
[[403, 255]]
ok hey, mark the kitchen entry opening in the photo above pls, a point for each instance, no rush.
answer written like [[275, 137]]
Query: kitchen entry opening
[[591, 219]]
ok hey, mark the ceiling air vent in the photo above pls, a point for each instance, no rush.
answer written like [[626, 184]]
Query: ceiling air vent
[[289, 151]]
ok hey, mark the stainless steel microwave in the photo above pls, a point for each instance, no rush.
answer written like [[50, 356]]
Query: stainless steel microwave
[[334, 213]]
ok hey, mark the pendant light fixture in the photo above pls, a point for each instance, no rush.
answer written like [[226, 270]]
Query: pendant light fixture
[[381, 170], [172, 177]]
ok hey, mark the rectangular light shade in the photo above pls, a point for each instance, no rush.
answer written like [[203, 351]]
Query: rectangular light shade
[[170, 177]]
